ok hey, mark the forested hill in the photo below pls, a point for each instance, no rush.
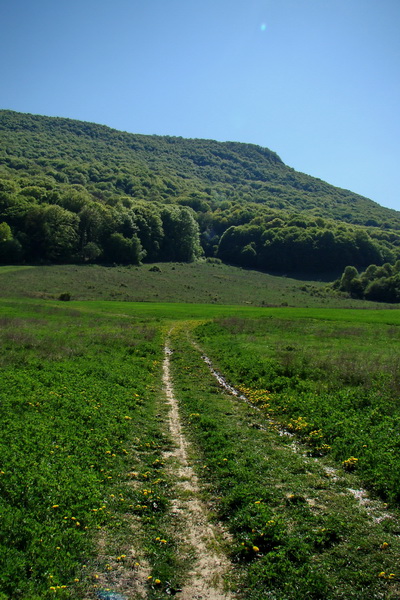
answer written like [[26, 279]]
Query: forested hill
[[76, 191]]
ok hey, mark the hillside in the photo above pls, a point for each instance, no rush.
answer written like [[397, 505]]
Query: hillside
[[79, 192], [200, 282]]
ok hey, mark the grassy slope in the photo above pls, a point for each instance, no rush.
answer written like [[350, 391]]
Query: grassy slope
[[175, 282]]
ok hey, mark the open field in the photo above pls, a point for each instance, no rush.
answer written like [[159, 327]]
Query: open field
[[87, 474], [199, 282], [298, 530]]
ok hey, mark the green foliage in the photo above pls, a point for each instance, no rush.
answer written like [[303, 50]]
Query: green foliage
[[10, 249], [5, 233], [181, 235], [66, 185], [122, 250], [379, 284], [294, 246]]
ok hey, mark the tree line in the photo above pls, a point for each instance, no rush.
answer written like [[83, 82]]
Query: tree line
[[303, 246], [67, 224], [376, 283], [71, 227]]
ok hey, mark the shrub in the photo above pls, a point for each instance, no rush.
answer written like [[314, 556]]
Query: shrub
[[65, 297]]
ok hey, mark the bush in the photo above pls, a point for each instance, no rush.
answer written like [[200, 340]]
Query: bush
[[65, 297]]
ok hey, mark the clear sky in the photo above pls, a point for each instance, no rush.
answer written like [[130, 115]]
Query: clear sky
[[317, 81]]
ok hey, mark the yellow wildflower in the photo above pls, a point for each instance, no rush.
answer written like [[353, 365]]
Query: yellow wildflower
[[384, 545]]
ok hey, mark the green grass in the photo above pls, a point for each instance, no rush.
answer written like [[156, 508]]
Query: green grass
[[339, 377], [13, 269], [297, 533], [84, 428], [200, 282], [77, 405]]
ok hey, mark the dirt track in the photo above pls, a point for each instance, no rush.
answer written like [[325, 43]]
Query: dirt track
[[205, 580]]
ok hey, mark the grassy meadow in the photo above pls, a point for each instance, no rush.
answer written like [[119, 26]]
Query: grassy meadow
[[297, 530], [200, 282], [85, 496]]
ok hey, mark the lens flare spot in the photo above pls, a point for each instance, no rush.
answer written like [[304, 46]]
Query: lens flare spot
[[263, 27]]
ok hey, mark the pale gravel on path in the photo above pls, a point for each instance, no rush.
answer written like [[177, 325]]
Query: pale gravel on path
[[205, 580]]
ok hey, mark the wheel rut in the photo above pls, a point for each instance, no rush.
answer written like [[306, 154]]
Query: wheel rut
[[200, 538]]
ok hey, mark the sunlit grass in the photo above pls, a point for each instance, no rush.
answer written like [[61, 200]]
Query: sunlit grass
[[297, 531], [84, 429]]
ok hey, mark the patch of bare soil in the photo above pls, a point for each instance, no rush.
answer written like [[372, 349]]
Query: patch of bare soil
[[200, 538]]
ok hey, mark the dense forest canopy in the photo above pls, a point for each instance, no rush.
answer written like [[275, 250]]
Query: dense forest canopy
[[72, 191]]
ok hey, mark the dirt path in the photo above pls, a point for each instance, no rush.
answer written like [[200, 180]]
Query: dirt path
[[205, 580]]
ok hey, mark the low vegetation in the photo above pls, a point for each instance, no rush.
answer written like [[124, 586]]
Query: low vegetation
[[334, 384], [85, 495], [80, 451], [203, 282], [298, 531]]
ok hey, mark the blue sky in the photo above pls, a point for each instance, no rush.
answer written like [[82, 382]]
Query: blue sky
[[317, 81]]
